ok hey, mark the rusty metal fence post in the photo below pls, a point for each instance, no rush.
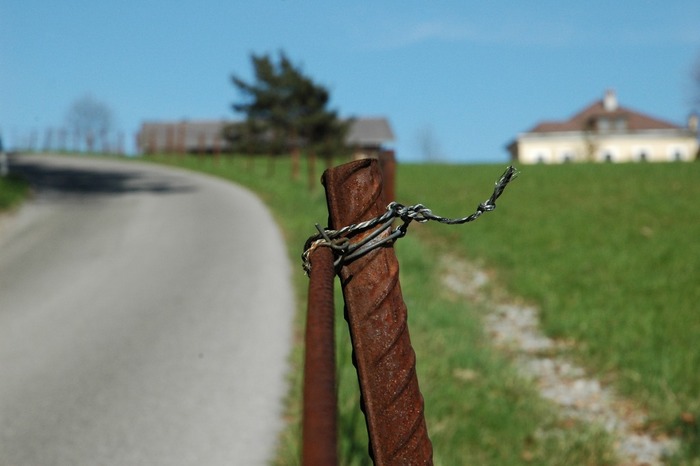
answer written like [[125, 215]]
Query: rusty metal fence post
[[319, 425], [377, 316]]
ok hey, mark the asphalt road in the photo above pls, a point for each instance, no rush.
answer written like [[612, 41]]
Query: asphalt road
[[145, 319]]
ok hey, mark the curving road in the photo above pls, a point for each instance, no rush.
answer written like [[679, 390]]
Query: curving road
[[145, 319]]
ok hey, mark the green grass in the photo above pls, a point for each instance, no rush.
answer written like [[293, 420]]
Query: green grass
[[13, 190], [611, 255], [493, 418]]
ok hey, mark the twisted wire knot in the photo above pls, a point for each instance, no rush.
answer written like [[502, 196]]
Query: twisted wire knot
[[345, 250]]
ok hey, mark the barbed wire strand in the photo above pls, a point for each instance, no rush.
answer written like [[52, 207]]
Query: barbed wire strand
[[345, 250]]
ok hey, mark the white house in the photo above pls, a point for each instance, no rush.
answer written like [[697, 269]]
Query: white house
[[607, 132]]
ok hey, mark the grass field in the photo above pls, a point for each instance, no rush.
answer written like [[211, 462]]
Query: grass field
[[611, 255], [608, 252], [12, 191]]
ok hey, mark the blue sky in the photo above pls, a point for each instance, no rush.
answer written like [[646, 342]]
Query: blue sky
[[472, 74]]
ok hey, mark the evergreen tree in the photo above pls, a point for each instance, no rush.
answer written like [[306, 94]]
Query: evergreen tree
[[285, 110]]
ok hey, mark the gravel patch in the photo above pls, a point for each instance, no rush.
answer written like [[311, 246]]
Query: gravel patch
[[515, 328]]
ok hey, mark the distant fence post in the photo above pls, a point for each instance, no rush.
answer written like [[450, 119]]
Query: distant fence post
[[320, 416], [387, 163]]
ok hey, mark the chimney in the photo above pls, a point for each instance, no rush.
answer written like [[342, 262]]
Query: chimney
[[693, 122], [610, 101]]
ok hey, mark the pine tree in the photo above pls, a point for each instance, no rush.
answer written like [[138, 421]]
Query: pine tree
[[286, 111]]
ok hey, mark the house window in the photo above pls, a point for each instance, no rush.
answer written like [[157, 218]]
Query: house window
[[620, 124], [603, 124], [540, 155], [566, 156], [641, 154], [677, 153], [608, 154]]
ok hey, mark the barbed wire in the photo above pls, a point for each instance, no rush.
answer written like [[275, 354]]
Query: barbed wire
[[345, 250]]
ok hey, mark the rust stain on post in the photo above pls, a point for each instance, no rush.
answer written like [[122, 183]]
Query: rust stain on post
[[377, 315], [319, 426]]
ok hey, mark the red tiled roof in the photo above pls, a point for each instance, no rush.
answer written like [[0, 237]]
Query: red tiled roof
[[635, 121]]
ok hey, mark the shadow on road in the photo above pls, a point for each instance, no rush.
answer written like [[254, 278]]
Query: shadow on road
[[71, 180]]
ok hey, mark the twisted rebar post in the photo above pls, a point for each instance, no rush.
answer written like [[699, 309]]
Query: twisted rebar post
[[377, 316]]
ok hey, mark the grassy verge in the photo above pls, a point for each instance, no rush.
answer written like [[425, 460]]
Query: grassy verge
[[12, 191], [490, 417], [611, 255]]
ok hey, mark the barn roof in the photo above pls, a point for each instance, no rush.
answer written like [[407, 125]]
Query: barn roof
[[369, 131], [190, 135]]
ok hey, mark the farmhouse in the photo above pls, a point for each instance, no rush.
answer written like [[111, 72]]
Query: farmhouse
[[366, 136], [607, 132]]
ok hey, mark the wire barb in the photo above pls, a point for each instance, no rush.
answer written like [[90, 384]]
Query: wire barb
[[345, 250]]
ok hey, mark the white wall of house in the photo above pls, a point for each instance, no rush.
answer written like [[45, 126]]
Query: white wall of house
[[652, 146]]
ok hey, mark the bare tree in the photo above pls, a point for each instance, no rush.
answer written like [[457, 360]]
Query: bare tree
[[428, 144], [89, 119]]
